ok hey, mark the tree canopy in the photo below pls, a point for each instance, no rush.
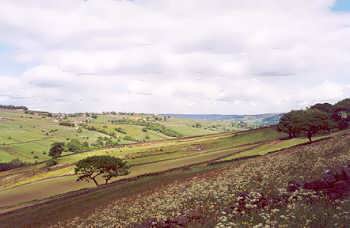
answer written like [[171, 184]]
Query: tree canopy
[[56, 149], [319, 117], [105, 166]]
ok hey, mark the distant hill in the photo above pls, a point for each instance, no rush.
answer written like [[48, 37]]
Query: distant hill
[[260, 119]]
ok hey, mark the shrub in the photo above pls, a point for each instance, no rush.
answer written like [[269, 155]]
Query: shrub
[[16, 163], [51, 162]]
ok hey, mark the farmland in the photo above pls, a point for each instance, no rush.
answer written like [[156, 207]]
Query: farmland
[[20, 186], [177, 149], [28, 136], [179, 191]]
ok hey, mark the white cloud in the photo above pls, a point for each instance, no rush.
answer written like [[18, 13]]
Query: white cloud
[[192, 56]]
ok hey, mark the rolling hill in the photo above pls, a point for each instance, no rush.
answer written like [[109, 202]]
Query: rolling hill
[[172, 186], [27, 135]]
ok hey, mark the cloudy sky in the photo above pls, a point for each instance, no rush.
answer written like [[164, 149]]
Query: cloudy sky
[[174, 56]]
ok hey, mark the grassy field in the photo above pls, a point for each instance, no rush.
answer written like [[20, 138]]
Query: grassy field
[[31, 184], [188, 127], [214, 198], [20, 186], [208, 190], [28, 137]]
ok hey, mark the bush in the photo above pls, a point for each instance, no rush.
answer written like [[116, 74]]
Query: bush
[[51, 162], [56, 149], [16, 163], [129, 138], [120, 130], [67, 124]]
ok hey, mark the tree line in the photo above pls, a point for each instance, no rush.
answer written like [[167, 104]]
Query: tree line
[[321, 117], [13, 107]]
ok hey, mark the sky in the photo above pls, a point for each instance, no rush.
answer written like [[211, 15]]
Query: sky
[[174, 56]]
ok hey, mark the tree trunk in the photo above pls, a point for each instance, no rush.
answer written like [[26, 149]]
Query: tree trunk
[[95, 181], [309, 136], [107, 180]]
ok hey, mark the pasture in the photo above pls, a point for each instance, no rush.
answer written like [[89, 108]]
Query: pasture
[[171, 192], [21, 186], [28, 137]]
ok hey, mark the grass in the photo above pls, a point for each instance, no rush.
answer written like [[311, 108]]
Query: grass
[[215, 196], [266, 148], [209, 191], [186, 126], [150, 157], [144, 158], [28, 137]]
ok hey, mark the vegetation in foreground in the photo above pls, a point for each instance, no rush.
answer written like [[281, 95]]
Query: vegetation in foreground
[[249, 193]]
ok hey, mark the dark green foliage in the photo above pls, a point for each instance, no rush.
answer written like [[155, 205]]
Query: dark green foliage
[[313, 121], [290, 123], [197, 125], [338, 114], [51, 162], [343, 105], [16, 163], [318, 118], [13, 107], [74, 145], [149, 126], [67, 124], [56, 149], [105, 166], [129, 138], [324, 107], [120, 130], [309, 122]]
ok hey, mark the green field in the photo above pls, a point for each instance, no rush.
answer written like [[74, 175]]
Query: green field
[[28, 137], [24, 133], [35, 184], [25, 184]]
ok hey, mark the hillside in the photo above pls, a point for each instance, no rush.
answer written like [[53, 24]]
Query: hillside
[[27, 135], [250, 120], [250, 191], [144, 158]]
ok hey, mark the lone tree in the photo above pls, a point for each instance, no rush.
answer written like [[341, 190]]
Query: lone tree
[[105, 166], [56, 149]]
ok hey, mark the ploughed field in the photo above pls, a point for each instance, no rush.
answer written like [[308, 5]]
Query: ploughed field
[[216, 188]]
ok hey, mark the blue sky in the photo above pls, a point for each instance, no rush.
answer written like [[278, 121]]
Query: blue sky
[[342, 5], [167, 56], [7, 65]]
